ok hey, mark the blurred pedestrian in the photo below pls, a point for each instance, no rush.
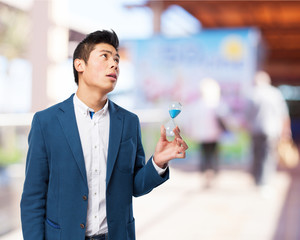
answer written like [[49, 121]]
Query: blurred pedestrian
[[86, 160], [205, 124], [268, 121]]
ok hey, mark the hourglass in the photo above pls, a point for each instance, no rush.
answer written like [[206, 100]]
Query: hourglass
[[174, 110]]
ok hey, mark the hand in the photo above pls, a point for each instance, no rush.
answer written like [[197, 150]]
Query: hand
[[166, 150]]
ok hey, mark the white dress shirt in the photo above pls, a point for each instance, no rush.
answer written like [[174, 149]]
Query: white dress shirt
[[94, 136]]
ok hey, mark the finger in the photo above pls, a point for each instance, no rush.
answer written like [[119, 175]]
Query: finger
[[163, 132], [176, 131], [180, 155], [182, 143]]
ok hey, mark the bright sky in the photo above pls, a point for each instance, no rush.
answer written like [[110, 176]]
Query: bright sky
[[128, 23], [91, 15], [134, 23]]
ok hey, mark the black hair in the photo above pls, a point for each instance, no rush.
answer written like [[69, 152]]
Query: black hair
[[87, 45]]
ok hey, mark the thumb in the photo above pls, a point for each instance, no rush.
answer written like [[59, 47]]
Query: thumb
[[163, 133]]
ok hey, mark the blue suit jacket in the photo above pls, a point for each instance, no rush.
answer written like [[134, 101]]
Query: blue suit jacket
[[54, 200]]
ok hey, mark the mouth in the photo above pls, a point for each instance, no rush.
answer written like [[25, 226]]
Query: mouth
[[112, 76]]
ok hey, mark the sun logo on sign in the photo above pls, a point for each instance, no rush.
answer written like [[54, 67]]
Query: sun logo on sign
[[232, 48]]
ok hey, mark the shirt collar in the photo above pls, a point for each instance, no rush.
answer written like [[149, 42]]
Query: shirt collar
[[84, 109]]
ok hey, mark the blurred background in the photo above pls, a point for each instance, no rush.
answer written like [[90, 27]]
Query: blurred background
[[203, 54]]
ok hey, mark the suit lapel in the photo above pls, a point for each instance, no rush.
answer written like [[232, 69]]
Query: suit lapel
[[115, 133], [68, 123]]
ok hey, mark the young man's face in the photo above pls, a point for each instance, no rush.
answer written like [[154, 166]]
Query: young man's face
[[102, 69]]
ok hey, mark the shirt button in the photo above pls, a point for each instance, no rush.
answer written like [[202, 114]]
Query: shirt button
[[95, 124], [82, 225], [84, 197], [95, 146]]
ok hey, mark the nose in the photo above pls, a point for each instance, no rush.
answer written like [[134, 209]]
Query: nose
[[114, 64]]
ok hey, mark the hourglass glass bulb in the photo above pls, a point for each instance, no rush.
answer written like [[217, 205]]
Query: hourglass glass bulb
[[174, 109]]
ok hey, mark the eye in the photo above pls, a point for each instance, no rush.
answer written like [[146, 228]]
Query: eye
[[117, 60], [104, 55]]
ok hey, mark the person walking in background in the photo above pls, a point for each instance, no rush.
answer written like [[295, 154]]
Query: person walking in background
[[268, 121], [86, 160], [204, 125]]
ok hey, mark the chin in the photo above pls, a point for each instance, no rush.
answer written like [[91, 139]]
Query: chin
[[110, 89], [113, 87]]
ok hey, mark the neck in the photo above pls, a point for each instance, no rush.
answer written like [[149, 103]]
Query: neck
[[93, 100]]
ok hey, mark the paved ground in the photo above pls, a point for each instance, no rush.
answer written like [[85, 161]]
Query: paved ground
[[232, 209]]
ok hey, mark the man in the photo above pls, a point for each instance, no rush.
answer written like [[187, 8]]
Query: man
[[85, 159], [268, 121]]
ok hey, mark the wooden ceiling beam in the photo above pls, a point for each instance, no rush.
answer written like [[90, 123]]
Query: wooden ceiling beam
[[241, 13], [281, 41], [278, 72], [288, 56]]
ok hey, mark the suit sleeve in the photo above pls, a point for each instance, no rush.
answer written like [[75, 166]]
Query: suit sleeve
[[146, 176], [33, 202]]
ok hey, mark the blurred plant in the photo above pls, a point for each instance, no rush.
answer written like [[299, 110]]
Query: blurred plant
[[10, 156], [235, 147], [14, 31]]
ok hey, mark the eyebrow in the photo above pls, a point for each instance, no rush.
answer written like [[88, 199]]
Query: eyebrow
[[110, 52]]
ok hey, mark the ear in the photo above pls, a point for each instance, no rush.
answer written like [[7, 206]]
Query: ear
[[79, 65]]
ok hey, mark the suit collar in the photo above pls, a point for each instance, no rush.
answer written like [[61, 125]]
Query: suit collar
[[84, 109], [115, 133], [68, 122]]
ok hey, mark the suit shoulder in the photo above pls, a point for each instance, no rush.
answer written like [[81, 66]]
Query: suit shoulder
[[52, 110], [48, 111]]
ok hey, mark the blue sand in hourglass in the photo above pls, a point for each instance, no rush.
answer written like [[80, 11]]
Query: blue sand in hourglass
[[174, 113], [174, 110]]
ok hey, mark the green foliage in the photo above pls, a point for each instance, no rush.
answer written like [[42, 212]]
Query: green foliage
[[235, 150], [8, 157]]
